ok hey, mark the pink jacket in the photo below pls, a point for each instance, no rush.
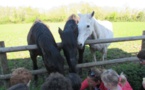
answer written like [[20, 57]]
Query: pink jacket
[[126, 86], [85, 85]]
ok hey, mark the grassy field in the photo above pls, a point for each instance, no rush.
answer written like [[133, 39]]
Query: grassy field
[[16, 35]]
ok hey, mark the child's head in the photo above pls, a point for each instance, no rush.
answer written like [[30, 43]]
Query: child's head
[[73, 17], [20, 75], [75, 80], [56, 81], [94, 76], [111, 79]]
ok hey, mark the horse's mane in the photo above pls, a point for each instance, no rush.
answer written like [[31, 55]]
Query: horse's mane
[[40, 30], [67, 36], [70, 31], [48, 47]]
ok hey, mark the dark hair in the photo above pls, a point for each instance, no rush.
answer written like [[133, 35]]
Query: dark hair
[[56, 81], [75, 81], [141, 54], [20, 86], [95, 74]]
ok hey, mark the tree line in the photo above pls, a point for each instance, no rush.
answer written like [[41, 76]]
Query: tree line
[[61, 13]]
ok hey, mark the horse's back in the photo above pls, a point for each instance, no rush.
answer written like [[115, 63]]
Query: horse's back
[[106, 29], [38, 29], [107, 24], [41, 35]]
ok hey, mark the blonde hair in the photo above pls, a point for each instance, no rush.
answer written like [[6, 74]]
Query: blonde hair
[[73, 17], [20, 75], [111, 76]]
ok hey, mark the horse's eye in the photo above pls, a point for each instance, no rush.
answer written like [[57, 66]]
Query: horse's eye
[[88, 26]]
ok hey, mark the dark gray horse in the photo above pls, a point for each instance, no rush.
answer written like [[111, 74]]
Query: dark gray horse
[[40, 35], [69, 44]]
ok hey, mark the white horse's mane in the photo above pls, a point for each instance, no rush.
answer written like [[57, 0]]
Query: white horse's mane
[[103, 28]]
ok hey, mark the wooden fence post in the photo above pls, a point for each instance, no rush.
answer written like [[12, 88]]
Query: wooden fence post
[[4, 64], [143, 42]]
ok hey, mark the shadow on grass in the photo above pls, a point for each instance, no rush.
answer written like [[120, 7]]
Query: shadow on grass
[[113, 53]]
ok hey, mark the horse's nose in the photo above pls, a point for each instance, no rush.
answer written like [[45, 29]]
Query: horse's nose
[[80, 45]]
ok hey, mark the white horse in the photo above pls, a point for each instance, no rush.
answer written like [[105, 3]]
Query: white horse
[[90, 27]]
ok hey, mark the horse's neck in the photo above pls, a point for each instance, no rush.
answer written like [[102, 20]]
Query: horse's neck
[[95, 33]]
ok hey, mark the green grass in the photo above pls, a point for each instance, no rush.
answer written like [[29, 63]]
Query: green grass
[[16, 35]]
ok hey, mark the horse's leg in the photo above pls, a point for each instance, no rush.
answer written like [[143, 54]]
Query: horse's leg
[[35, 67], [81, 51], [92, 47], [94, 55], [104, 53], [93, 52]]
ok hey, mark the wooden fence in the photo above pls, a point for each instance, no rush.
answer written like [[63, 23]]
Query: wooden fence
[[4, 65]]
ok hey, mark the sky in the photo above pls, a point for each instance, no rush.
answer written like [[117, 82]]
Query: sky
[[47, 4]]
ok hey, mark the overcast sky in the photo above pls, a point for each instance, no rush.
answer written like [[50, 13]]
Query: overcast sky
[[46, 4]]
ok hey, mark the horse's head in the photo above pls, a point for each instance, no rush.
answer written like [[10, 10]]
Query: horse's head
[[85, 27], [69, 43]]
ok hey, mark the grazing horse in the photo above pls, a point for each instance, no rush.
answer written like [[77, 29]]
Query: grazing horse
[[69, 43], [40, 35], [89, 27]]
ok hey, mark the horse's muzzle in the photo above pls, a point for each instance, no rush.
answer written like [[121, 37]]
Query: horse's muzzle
[[80, 46]]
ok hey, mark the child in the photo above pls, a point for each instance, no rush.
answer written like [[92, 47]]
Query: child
[[113, 81], [74, 17], [20, 78], [75, 80], [56, 81], [93, 80]]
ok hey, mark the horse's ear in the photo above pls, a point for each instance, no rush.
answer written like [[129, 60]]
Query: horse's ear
[[59, 30], [92, 14]]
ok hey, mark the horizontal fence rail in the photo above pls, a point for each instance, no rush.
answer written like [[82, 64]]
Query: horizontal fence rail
[[115, 39], [30, 47], [84, 65]]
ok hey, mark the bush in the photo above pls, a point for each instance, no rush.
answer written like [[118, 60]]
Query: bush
[[61, 13], [134, 73]]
